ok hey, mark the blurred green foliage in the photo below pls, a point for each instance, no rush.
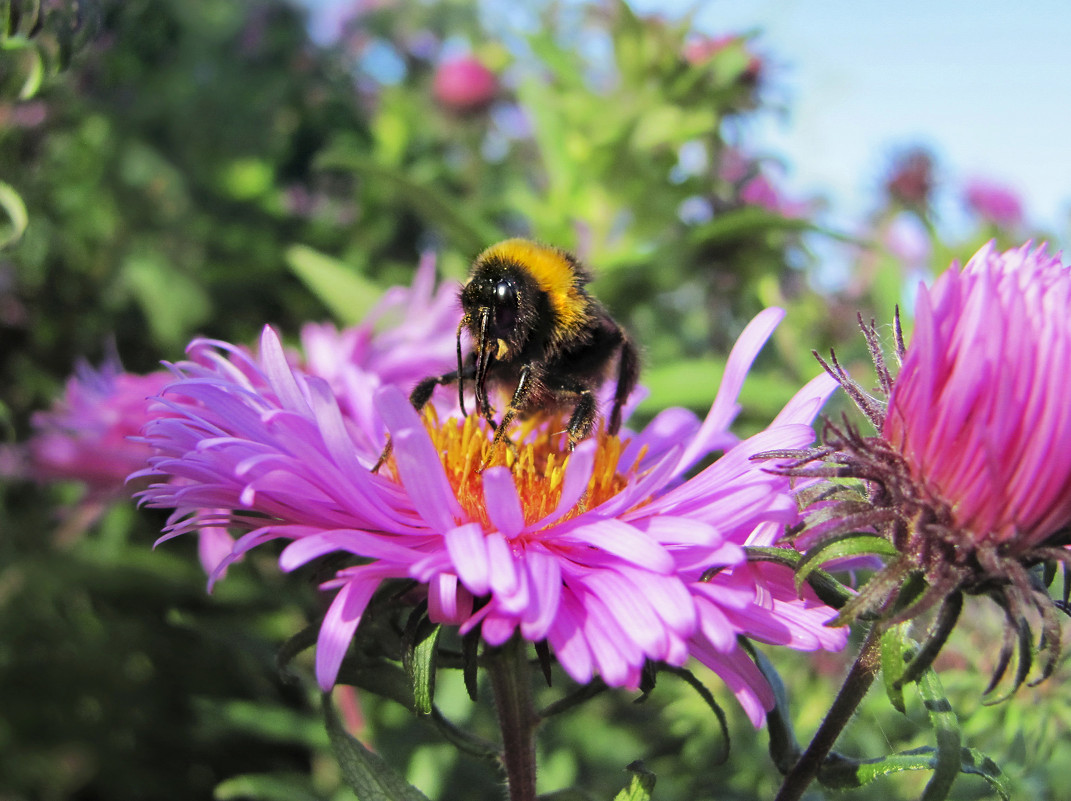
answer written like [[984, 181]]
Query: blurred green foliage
[[178, 167]]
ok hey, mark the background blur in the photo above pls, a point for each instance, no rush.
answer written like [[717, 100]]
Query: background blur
[[185, 167]]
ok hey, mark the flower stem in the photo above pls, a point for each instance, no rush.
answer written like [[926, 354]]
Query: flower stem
[[860, 677], [512, 688]]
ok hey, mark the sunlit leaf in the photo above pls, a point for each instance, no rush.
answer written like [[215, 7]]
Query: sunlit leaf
[[347, 294], [366, 773], [266, 787], [640, 786], [15, 209]]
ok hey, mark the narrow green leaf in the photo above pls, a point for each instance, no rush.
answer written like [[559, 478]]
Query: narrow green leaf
[[946, 761], [379, 676], [978, 764], [469, 234], [743, 223], [265, 721], [464, 741], [784, 747], [830, 591], [892, 664], [15, 209], [687, 382], [689, 678], [852, 544], [470, 651], [945, 724], [420, 647], [345, 292], [640, 787], [848, 773], [266, 787], [366, 773], [304, 639], [173, 303], [32, 64]]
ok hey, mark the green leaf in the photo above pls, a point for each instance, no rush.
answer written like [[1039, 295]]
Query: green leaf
[[270, 722], [691, 383], [640, 787], [708, 698], [28, 62], [892, 664], [304, 639], [947, 760], [745, 223], [946, 728], [839, 547], [366, 773], [976, 763], [266, 787], [784, 747], [174, 304], [849, 774], [347, 294], [421, 645], [830, 591], [15, 209], [468, 233]]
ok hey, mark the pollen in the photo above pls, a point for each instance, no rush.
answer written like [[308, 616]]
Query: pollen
[[537, 457]]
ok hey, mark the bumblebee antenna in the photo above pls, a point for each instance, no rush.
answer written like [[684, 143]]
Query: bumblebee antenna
[[460, 375]]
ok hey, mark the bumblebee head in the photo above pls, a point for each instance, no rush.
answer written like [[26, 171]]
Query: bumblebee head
[[499, 303], [520, 294]]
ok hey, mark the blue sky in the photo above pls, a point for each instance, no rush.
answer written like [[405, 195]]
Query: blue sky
[[986, 85]]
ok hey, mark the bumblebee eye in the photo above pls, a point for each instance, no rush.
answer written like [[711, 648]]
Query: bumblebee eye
[[505, 294], [505, 303]]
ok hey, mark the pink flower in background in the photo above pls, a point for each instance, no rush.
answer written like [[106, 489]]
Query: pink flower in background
[[357, 361], [994, 203], [90, 435], [464, 84], [704, 48], [760, 191], [85, 436], [753, 186], [979, 410], [910, 180], [601, 552]]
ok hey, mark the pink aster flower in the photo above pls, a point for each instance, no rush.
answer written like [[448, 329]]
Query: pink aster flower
[[605, 553], [970, 475], [85, 436], [978, 410], [994, 203]]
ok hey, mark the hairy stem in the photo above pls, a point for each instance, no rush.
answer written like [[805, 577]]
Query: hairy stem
[[860, 677], [512, 688]]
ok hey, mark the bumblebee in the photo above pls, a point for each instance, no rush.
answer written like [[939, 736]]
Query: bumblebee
[[539, 337]]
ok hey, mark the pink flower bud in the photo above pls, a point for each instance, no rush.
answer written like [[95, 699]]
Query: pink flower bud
[[464, 84]]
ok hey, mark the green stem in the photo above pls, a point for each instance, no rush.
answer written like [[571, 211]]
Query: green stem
[[512, 688], [855, 687]]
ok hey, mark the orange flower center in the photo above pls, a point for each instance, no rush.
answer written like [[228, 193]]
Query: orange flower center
[[537, 456]]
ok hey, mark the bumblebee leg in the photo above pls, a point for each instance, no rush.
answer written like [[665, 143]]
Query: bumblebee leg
[[419, 397], [582, 422], [516, 405], [628, 373]]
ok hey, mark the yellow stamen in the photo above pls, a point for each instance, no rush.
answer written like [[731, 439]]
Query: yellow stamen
[[537, 457]]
